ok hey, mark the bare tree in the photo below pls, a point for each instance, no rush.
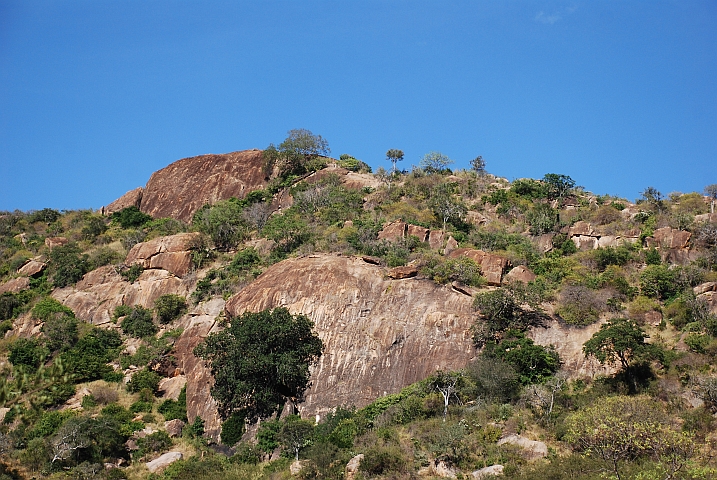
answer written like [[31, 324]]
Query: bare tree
[[448, 384], [711, 191], [257, 214]]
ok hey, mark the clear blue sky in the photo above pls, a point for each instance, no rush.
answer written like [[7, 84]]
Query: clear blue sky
[[97, 95]]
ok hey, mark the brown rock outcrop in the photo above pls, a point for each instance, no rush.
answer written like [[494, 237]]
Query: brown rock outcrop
[[393, 231], [133, 198], [667, 237], [183, 187], [581, 228], [435, 239], [31, 268], [520, 273], [172, 253], [379, 334], [94, 298], [420, 232], [492, 266], [52, 242], [15, 285], [398, 273]]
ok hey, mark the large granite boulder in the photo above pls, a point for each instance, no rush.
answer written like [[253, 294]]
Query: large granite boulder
[[183, 187], [133, 198]]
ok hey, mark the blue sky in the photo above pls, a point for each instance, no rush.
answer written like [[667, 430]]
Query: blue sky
[[97, 95]]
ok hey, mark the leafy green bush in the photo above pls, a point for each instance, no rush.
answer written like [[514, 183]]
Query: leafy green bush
[[144, 379], [61, 333], [658, 281], [141, 406], [88, 359], [612, 256], [27, 352], [49, 308], [67, 264], [542, 218], [46, 215], [130, 217], [223, 222], [175, 409], [105, 256], [139, 323], [169, 307], [232, 429], [533, 363], [94, 226], [132, 273], [9, 305], [461, 269], [153, 443], [379, 460], [244, 260]]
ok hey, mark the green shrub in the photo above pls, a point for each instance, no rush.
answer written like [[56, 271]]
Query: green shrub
[[380, 460], [130, 217], [658, 281], [94, 226], [132, 273], [67, 264], [542, 219], [175, 409], [153, 443], [244, 260], [612, 256], [141, 406], [139, 323], [5, 326], [533, 363], [170, 307], [697, 342], [223, 222], [27, 352], [49, 308], [194, 429], [88, 359], [61, 333], [232, 429], [46, 215], [9, 306], [144, 379], [105, 256]]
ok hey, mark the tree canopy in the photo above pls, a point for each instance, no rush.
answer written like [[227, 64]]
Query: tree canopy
[[294, 154], [260, 361]]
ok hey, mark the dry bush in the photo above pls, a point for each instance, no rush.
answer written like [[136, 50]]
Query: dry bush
[[104, 394]]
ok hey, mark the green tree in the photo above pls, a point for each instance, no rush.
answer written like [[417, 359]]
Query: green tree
[[620, 341], [558, 186], [288, 230], [533, 363], [139, 323], [394, 156], [169, 307], [131, 217], [435, 162], [260, 361], [224, 223], [295, 434], [478, 165], [67, 264], [658, 281], [652, 197], [296, 154]]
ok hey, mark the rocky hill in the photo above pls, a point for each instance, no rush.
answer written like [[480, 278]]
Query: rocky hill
[[396, 273]]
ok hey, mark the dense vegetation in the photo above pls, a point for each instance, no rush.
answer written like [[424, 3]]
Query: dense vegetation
[[652, 418]]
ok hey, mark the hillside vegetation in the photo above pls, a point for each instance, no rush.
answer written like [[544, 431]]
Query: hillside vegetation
[[83, 401]]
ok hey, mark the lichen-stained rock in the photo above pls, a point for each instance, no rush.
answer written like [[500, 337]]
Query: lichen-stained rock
[[15, 285], [183, 187], [476, 218], [163, 461], [667, 237], [172, 253], [544, 242], [393, 231], [568, 342], [133, 198], [94, 298], [585, 242], [492, 266], [379, 335]]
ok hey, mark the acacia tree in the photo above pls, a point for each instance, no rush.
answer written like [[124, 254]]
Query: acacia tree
[[394, 156], [435, 162], [558, 186], [260, 362]]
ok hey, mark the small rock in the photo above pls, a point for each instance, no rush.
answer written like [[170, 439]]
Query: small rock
[[581, 228], [407, 271], [52, 242], [15, 285], [31, 268], [531, 448], [420, 232], [705, 287], [451, 245], [163, 461], [441, 469], [3, 412], [174, 427], [435, 239], [295, 467], [520, 274], [371, 260], [393, 231], [493, 470], [653, 318], [352, 467]]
